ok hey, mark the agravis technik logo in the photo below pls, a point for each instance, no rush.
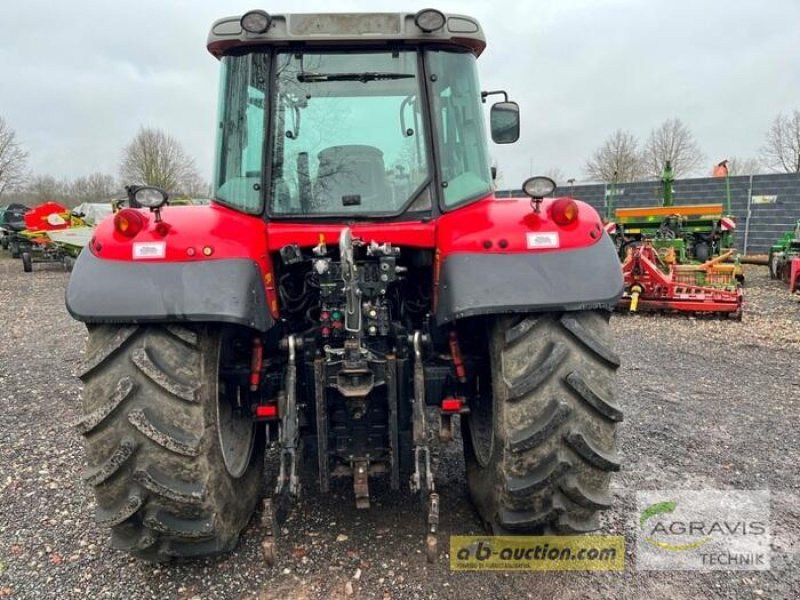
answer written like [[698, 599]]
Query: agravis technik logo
[[703, 529]]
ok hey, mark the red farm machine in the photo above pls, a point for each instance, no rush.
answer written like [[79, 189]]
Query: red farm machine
[[56, 234], [353, 287], [678, 258], [784, 258]]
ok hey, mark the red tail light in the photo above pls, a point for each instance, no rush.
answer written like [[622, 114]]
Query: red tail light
[[129, 222], [267, 411], [452, 405], [564, 211]]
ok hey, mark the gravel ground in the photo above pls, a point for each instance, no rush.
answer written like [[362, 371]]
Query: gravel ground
[[709, 404]]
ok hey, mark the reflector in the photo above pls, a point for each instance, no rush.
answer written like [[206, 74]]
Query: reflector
[[452, 405], [564, 211], [267, 411], [128, 222]]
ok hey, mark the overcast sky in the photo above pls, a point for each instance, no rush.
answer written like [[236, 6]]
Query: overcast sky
[[78, 78]]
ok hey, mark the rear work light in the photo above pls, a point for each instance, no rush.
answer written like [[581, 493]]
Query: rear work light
[[430, 20], [255, 21], [564, 211], [129, 222]]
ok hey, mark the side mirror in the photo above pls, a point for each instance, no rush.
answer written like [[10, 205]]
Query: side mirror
[[504, 121]]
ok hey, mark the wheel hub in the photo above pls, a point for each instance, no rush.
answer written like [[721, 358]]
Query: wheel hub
[[481, 425], [236, 431]]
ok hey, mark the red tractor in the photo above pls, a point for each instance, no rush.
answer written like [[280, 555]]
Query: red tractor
[[353, 286]]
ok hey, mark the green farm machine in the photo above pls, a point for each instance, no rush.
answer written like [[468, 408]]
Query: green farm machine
[[677, 258], [784, 258]]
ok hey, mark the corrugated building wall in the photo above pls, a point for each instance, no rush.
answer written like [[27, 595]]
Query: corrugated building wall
[[765, 206]]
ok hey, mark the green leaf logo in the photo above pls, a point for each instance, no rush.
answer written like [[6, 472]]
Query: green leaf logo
[[661, 508], [657, 509]]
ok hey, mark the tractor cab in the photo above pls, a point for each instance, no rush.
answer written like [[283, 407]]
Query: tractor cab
[[352, 116]]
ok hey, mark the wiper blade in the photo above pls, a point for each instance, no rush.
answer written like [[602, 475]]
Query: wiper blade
[[362, 77]]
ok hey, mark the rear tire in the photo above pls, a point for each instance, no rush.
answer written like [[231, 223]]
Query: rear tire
[[774, 265], [27, 262], [702, 252], [540, 457], [154, 442]]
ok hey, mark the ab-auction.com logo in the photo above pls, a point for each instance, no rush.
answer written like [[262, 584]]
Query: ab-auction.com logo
[[537, 553], [709, 529]]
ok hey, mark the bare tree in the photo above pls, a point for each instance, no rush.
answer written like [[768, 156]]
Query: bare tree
[[618, 158], [674, 142], [556, 174], [156, 158], [781, 150], [97, 187], [743, 166], [46, 188], [196, 187], [13, 159]]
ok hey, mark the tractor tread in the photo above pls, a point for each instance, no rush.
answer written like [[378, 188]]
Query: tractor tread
[[195, 549], [152, 443], [183, 492], [141, 539], [576, 492], [521, 329], [571, 524], [581, 386], [102, 472], [527, 520], [141, 358], [554, 415], [575, 324], [110, 517], [106, 350], [166, 523], [184, 334], [588, 450], [538, 372], [554, 421], [547, 471], [179, 442], [125, 386]]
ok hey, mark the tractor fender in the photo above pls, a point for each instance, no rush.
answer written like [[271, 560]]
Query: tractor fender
[[583, 278], [228, 290]]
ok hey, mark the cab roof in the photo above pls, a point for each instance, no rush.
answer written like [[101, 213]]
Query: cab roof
[[338, 29]]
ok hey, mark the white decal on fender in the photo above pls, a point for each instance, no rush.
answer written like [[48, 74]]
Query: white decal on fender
[[548, 239], [149, 250]]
